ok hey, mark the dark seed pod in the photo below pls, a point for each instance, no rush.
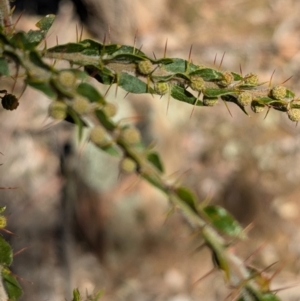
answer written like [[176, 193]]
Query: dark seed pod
[[10, 102]]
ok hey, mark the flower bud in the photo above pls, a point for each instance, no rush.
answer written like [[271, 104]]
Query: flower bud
[[131, 135], [197, 83], [128, 165], [227, 79], [3, 221], [161, 88], [278, 92], [58, 110], [67, 78], [251, 79], [110, 109], [81, 104], [98, 135], [244, 98], [294, 114], [145, 67], [210, 102]]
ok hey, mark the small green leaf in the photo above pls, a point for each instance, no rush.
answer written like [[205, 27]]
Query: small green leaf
[[45, 23], [232, 98], [106, 122], [182, 94], [128, 57], [223, 221], [111, 150], [44, 87], [132, 84], [211, 92], [154, 158], [12, 287], [208, 74], [177, 66], [90, 92], [289, 94], [129, 50], [4, 70], [76, 295], [36, 60], [236, 76], [6, 255], [188, 197], [2, 209], [217, 246]]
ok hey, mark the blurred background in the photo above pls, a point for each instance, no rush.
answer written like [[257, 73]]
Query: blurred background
[[86, 226]]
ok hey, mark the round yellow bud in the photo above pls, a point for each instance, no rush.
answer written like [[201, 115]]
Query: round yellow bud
[[145, 67], [244, 98], [98, 135], [161, 88], [210, 102], [294, 114], [128, 165], [251, 79], [131, 135], [67, 78], [3, 221], [227, 79], [110, 109], [81, 104], [278, 92], [58, 110], [197, 83]]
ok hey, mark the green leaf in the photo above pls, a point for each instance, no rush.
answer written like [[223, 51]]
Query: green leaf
[[211, 92], [129, 50], [236, 76], [208, 74], [289, 94], [111, 150], [44, 87], [232, 98], [182, 94], [217, 246], [181, 66], [12, 287], [90, 92], [223, 221], [6, 255], [2, 209], [36, 60], [76, 295], [188, 197], [4, 69], [132, 84], [106, 122], [154, 159], [45, 23]]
